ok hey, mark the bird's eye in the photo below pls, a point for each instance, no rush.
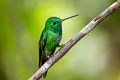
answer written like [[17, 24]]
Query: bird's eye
[[54, 23]]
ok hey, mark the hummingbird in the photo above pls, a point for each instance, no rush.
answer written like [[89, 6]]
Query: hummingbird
[[50, 39]]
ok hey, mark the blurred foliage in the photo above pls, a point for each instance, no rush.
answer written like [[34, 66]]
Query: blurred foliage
[[95, 57]]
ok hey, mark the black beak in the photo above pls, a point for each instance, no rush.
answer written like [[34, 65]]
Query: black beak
[[69, 17]]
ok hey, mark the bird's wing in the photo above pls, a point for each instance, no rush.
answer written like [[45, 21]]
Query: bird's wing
[[42, 44]]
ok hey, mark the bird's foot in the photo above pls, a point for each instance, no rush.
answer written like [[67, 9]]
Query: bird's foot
[[61, 45]]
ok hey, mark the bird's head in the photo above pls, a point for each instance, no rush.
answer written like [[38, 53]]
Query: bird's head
[[56, 22], [53, 22]]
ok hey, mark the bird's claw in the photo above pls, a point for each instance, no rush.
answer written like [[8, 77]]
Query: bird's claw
[[61, 45]]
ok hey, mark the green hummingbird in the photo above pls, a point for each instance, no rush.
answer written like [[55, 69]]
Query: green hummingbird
[[50, 39]]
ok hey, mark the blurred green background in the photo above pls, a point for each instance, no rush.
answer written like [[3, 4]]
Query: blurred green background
[[95, 57]]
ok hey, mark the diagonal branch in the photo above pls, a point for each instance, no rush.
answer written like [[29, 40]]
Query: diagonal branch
[[67, 46]]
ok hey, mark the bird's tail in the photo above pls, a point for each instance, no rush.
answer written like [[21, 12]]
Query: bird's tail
[[42, 60], [45, 74]]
